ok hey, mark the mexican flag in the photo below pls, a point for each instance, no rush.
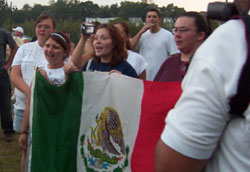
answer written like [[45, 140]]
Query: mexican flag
[[97, 122]]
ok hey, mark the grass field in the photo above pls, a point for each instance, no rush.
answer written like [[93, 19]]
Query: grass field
[[10, 154]]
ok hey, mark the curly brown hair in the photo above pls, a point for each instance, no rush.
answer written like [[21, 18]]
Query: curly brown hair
[[119, 52]]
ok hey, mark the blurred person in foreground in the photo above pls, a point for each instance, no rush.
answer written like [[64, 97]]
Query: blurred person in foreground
[[200, 132], [190, 30]]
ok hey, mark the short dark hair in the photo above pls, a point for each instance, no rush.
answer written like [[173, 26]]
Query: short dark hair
[[154, 10], [199, 20], [44, 16]]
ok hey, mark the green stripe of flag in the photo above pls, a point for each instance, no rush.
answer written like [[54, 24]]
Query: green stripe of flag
[[55, 126]]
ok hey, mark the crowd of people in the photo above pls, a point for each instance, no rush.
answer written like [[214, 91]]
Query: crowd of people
[[200, 133]]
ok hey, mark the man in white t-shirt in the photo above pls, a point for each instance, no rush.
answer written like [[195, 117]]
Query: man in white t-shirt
[[200, 133], [154, 43]]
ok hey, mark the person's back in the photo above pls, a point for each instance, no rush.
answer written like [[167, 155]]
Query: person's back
[[207, 133]]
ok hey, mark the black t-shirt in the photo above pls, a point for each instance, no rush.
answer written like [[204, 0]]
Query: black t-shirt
[[125, 68]]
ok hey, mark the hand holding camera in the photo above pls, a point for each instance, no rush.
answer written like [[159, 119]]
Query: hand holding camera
[[87, 28]]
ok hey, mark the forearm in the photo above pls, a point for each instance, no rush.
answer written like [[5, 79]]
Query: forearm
[[16, 78], [12, 54], [76, 57], [137, 37], [169, 160], [134, 41]]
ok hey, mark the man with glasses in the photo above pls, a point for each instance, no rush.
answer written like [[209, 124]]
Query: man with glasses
[[201, 132], [154, 43]]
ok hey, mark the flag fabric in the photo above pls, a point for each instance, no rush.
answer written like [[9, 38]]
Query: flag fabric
[[98, 122]]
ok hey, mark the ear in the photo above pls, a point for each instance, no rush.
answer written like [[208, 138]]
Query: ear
[[201, 36]]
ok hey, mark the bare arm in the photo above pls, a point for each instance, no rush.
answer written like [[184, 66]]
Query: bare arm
[[25, 126], [78, 58], [25, 41], [11, 57], [168, 160], [142, 75], [16, 78], [137, 37]]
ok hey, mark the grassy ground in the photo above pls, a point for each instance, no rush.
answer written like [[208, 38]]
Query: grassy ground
[[10, 154]]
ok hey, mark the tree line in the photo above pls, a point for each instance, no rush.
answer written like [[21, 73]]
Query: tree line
[[69, 14]]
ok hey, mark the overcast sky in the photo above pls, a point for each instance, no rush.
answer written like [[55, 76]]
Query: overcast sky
[[189, 5]]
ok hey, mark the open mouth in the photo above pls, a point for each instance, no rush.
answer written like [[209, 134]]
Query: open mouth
[[98, 48]]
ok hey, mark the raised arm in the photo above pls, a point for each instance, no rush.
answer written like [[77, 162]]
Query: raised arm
[[134, 41], [78, 57]]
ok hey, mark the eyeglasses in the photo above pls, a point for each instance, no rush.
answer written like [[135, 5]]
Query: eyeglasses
[[181, 30], [44, 26]]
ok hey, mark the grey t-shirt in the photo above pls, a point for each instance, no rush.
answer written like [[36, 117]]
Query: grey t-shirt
[[5, 39]]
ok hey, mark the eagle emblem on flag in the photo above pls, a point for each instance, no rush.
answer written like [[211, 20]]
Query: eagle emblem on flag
[[105, 144]]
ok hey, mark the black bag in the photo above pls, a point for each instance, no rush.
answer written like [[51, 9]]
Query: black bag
[[240, 101]]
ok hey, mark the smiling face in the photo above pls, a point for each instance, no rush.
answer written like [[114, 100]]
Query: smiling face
[[54, 54], [103, 45], [186, 36], [43, 29]]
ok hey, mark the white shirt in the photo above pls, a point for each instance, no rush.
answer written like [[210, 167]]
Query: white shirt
[[200, 126], [55, 76], [155, 48], [28, 56], [137, 62]]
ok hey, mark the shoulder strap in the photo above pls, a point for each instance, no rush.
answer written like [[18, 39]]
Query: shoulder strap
[[240, 102], [89, 63]]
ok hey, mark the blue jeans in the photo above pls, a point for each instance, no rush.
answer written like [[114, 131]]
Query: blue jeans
[[5, 107], [18, 119]]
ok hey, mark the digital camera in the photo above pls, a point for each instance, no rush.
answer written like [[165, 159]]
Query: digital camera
[[221, 11], [87, 28]]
